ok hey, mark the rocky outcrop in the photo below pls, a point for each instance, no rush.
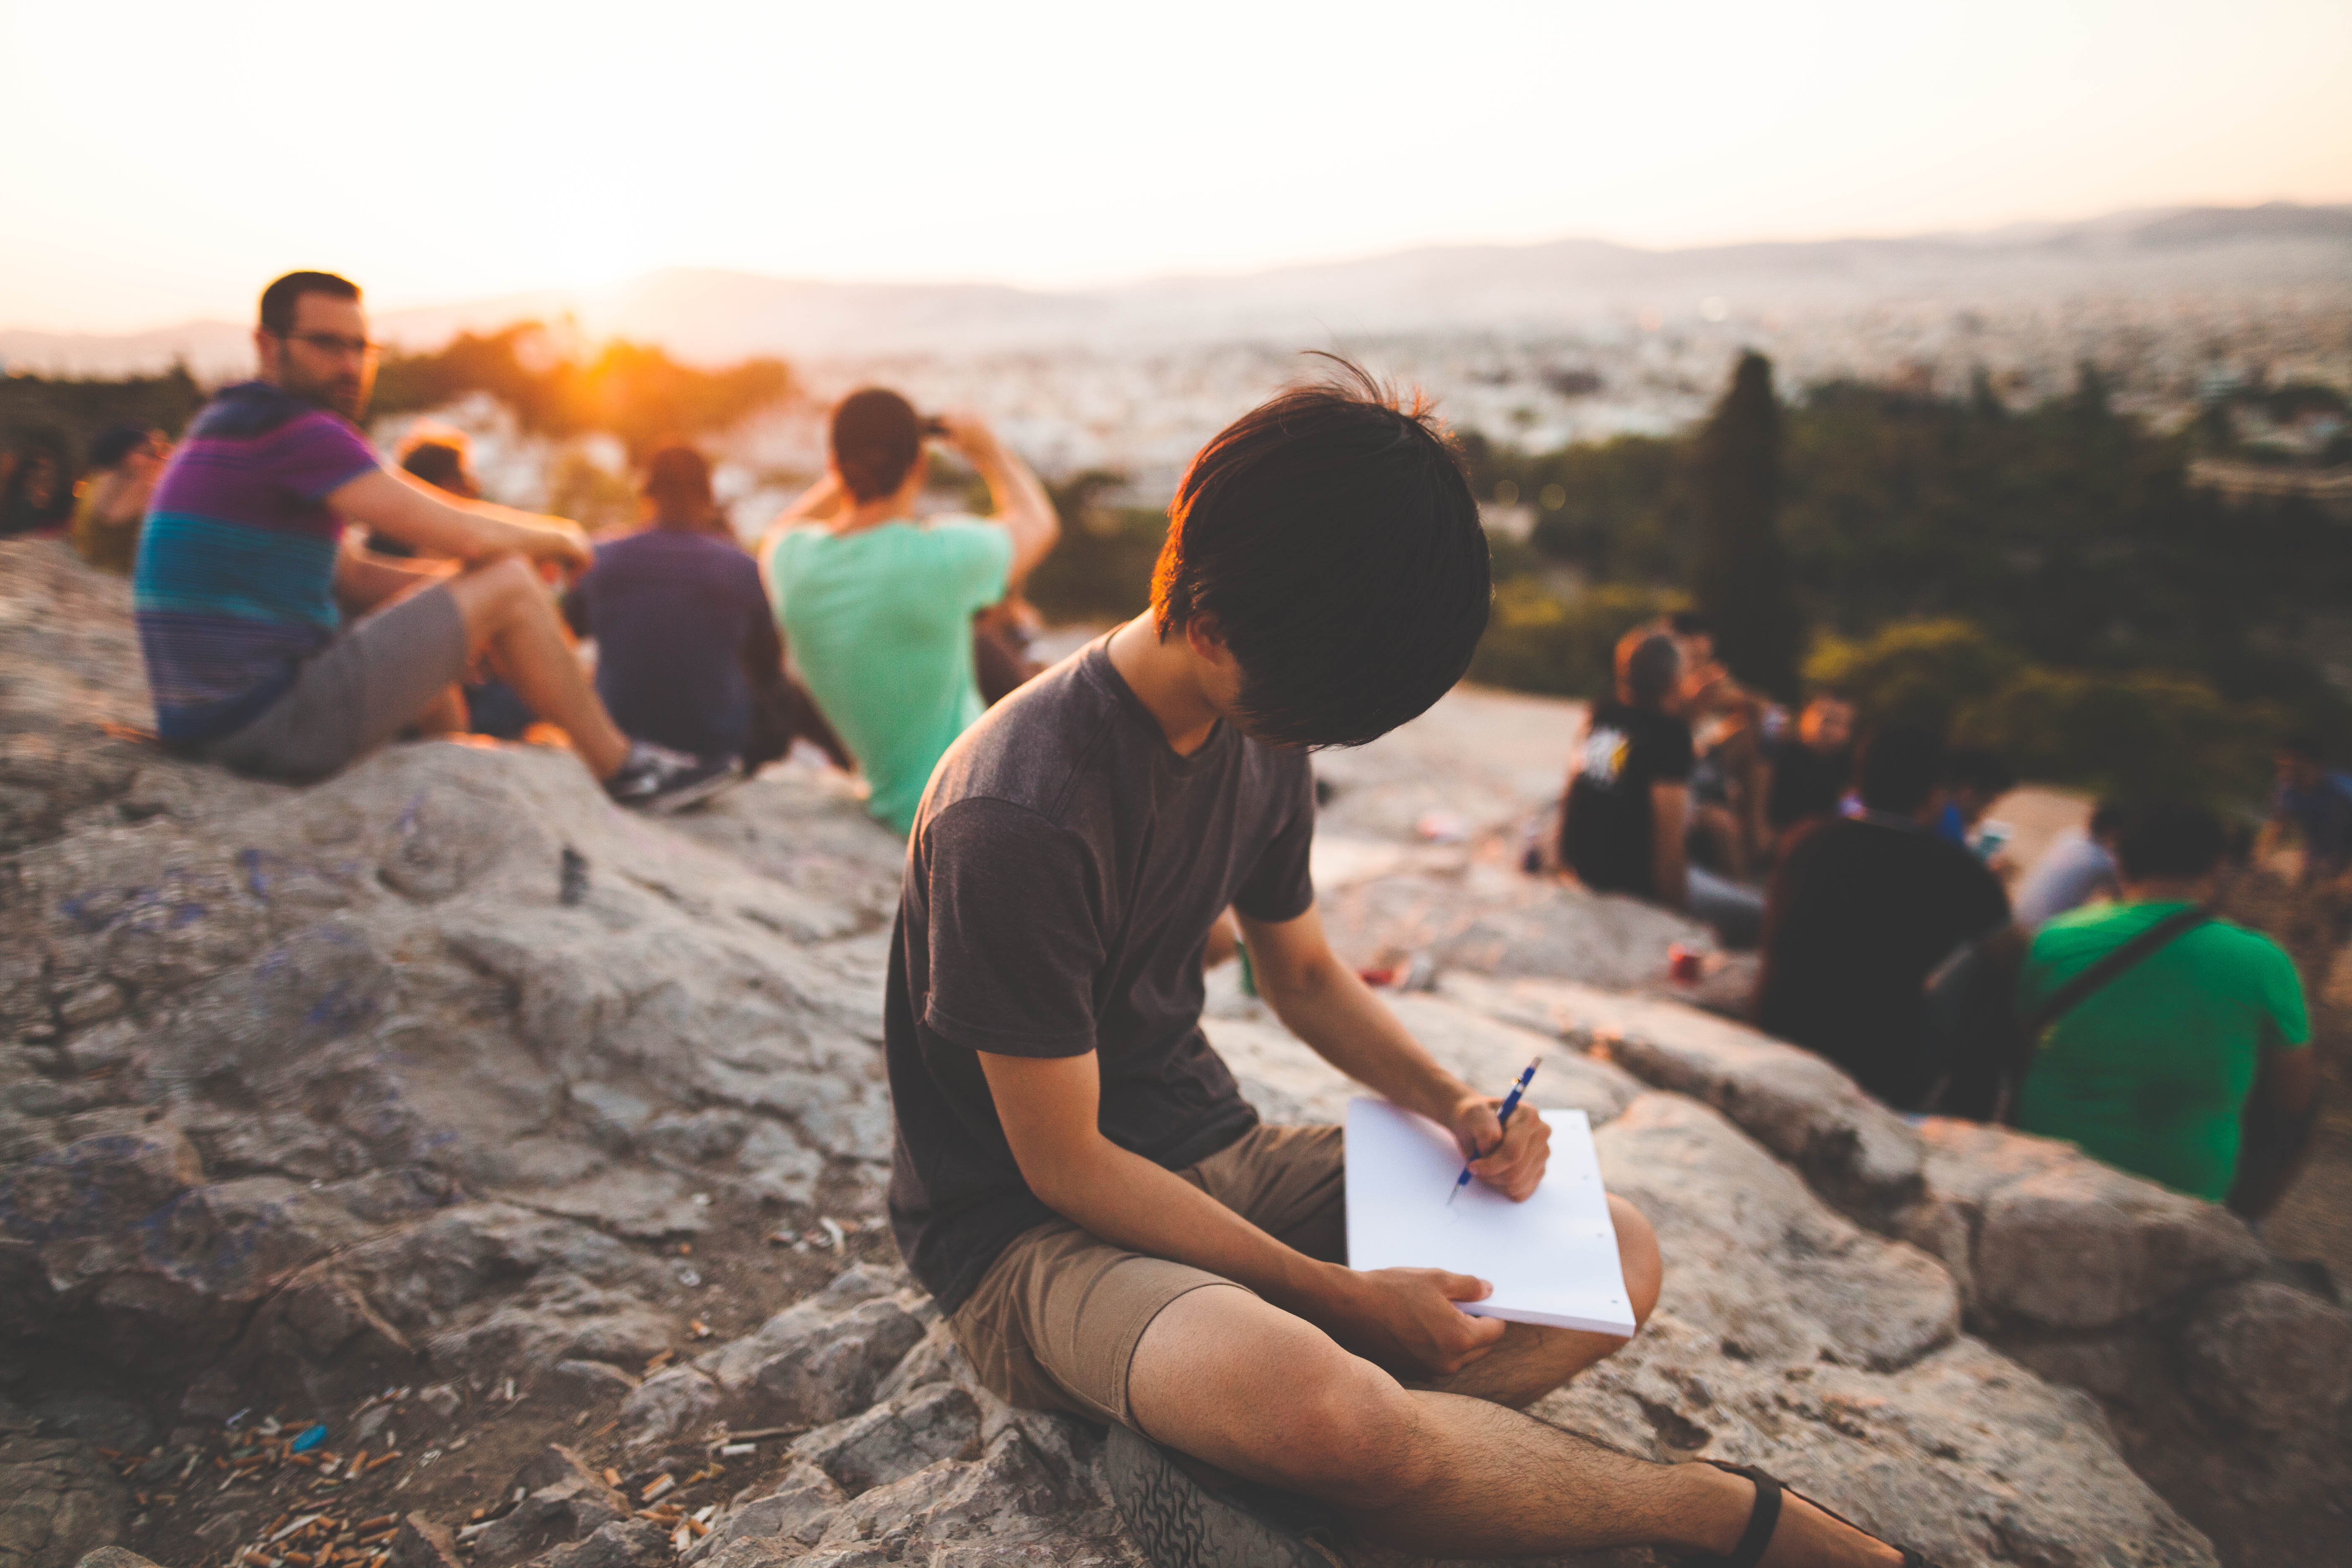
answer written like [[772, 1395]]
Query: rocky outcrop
[[2164, 1306], [447, 1061]]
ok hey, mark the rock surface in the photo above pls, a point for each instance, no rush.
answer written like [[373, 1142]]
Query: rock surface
[[308, 1078], [57, 1502]]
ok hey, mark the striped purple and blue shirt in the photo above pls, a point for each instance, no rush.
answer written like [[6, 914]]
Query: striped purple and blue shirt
[[235, 583]]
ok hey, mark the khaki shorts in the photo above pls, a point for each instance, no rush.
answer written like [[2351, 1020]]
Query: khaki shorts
[[1055, 1320], [372, 681]]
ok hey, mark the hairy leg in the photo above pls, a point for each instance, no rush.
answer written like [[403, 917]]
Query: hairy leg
[[1421, 1471], [1530, 1361], [509, 615]]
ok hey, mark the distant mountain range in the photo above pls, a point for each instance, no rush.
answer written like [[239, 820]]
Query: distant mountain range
[[1556, 285]]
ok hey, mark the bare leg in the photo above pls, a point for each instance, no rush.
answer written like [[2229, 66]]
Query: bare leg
[[447, 716], [509, 614], [1444, 1472]]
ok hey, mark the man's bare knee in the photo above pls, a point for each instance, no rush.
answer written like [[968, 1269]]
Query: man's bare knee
[[1340, 1429], [1352, 1437], [1637, 1251], [493, 595]]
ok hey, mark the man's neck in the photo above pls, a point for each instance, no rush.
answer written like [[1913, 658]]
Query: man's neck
[[2166, 891], [1160, 674], [868, 514]]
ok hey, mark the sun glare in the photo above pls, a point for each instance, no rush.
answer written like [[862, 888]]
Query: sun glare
[[445, 152]]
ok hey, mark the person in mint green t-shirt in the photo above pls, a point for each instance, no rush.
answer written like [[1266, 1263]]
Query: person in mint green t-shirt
[[2156, 1071], [876, 606]]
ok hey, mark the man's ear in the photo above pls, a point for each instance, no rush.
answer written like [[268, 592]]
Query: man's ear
[[265, 352], [1206, 639]]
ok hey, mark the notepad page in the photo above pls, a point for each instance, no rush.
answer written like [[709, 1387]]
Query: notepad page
[[1552, 1260]]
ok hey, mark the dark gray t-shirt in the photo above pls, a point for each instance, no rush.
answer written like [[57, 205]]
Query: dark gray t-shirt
[[1064, 873]]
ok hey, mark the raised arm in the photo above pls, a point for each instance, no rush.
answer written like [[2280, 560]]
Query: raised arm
[[1023, 510], [439, 523], [819, 501], [1050, 1106]]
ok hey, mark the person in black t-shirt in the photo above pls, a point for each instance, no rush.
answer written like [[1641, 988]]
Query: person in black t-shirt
[[1811, 769], [1075, 1176], [1621, 826], [1862, 910]]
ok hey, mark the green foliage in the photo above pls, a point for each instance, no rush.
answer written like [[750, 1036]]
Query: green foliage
[[74, 409], [637, 393], [2144, 731], [1539, 641], [1101, 569], [1914, 672]]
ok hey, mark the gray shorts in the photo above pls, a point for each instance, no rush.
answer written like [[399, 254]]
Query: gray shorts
[[359, 691]]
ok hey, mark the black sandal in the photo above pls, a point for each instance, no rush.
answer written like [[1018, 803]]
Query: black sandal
[[1765, 1518]]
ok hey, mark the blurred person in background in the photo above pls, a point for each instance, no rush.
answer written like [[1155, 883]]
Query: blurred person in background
[[37, 487], [2313, 804], [1623, 822], [1811, 771], [2178, 1055], [878, 606], [246, 565], [1974, 778], [1726, 786], [125, 460], [2075, 870], [1863, 909], [687, 656], [443, 457]]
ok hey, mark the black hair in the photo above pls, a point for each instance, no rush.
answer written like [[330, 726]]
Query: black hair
[[279, 299], [877, 436], [1648, 666], [110, 445], [1330, 537], [437, 462], [2109, 817], [2305, 746], [1899, 768], [676, 472], [1973, 767], [2170, 839]]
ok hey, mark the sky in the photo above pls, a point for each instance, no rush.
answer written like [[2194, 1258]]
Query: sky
[[160, 162]]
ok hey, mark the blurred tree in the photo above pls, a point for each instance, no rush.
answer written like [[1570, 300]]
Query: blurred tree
[[1742, 581]]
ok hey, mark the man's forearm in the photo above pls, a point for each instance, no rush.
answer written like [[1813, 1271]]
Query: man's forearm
[[1131, 1202]]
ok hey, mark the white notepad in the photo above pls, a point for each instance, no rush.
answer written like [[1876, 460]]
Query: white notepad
[[1551, 1259]]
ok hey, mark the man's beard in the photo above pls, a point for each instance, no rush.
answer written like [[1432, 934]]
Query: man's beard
[[344, 395]]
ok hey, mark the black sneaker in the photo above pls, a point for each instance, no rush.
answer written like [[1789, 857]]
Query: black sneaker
[[657, 779], [1181, 1523]]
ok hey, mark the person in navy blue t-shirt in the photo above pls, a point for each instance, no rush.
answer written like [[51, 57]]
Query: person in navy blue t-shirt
[[687, 654]]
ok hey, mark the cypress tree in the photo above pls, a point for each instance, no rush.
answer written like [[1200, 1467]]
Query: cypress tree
[[1743, 583]]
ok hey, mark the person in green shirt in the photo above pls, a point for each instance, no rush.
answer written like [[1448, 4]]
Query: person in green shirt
[[2160, 1070], [876, 606]]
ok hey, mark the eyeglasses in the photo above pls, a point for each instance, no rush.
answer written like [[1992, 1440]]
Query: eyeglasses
[[336, 343]]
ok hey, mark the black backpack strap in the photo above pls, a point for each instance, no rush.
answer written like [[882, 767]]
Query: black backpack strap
[[2075, 992]]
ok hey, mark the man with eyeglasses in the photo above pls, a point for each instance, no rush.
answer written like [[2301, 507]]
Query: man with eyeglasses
[[245, 572]]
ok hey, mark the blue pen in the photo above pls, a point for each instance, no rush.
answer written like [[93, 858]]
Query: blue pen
[[1511, 1103]]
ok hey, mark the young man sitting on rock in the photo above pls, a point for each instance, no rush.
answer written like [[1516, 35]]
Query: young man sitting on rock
[[244, 570], [1077, 1178]]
